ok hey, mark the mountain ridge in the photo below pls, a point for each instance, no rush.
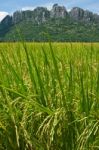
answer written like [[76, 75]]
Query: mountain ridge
[[51, 23]]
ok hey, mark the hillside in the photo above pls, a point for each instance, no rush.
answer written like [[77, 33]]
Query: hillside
[[56, 25]]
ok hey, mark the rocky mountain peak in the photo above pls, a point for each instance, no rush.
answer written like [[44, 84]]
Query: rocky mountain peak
[[7, 20], [41, 14], [44, 20], [17, 17], [58, 11], [77, 13]]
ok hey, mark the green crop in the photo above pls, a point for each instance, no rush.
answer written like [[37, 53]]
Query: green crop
[[49, 96]]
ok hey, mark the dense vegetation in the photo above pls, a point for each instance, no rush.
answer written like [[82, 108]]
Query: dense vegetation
[[49, 96], [54, 30]]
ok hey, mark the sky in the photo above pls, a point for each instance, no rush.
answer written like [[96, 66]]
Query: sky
[[9, 6]]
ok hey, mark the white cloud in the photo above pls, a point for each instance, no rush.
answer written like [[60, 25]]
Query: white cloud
[[48, 5], [2, 15], [68, 10], [28, 8]]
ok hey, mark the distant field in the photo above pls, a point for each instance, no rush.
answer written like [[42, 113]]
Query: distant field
[[49, 96]]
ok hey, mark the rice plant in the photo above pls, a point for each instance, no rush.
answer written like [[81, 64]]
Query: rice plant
[[49, 96]]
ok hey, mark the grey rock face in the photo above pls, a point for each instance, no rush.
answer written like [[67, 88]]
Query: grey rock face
[[77, 13], [17, 17], [88, 16], [38, 15], [22, 15], [58, 11], [41, 14], [27, 15]]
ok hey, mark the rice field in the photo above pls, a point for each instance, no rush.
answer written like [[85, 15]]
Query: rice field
[[49, 96]]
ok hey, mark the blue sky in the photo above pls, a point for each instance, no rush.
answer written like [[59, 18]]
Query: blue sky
[[9, 6]]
